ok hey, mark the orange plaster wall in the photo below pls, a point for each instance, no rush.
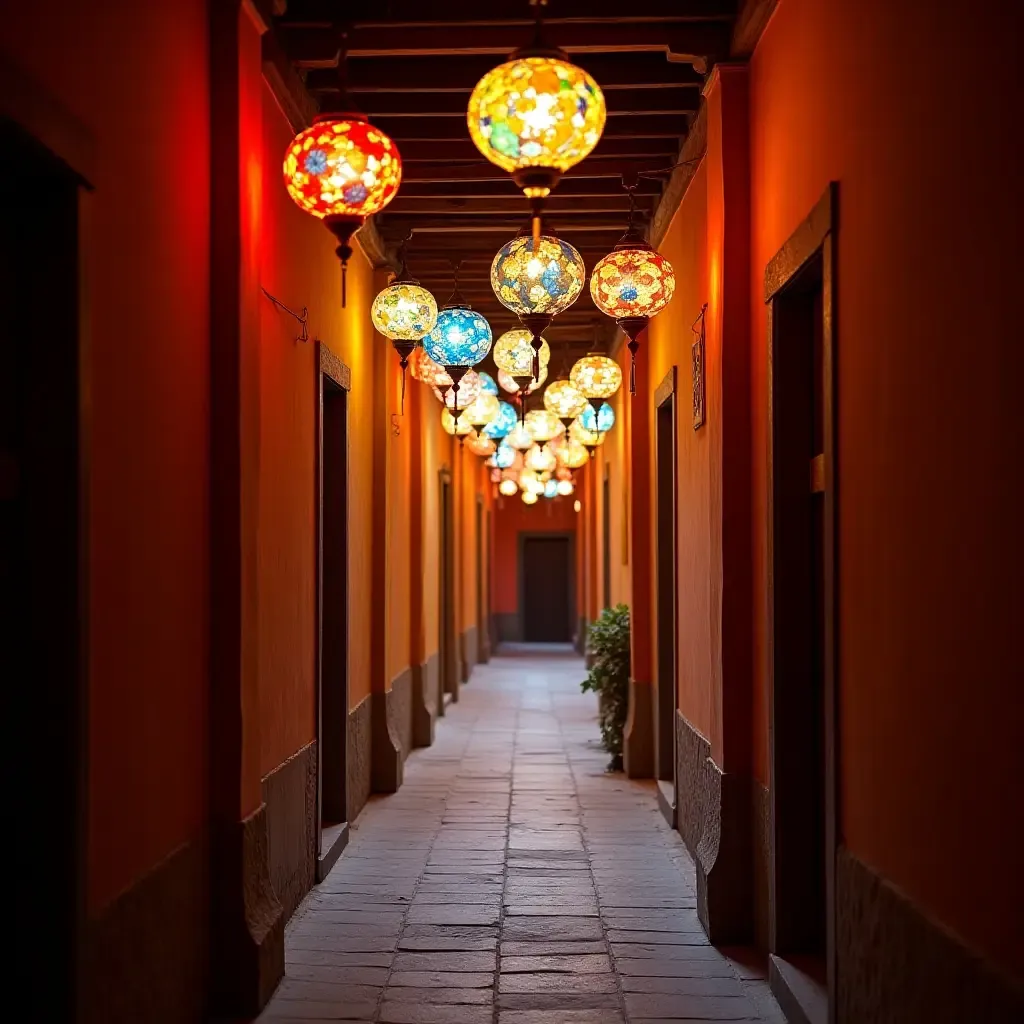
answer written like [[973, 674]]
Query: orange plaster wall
[[148, 307], [669, 337], [928, 365], [511, 517], [300, 268]]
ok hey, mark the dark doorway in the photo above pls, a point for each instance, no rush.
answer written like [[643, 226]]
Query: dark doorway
[[606, 538], [449, 675], [546, 596], [802, 561], [332, 624], [43, 545], [665, 582]]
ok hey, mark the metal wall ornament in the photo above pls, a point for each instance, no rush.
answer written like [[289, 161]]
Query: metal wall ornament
[[697, 370], [631, 284], [535, 116]]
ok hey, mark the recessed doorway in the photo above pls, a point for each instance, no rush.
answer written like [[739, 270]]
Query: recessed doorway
[[546, 599], [803, 830], [332, 610], [44, 621]]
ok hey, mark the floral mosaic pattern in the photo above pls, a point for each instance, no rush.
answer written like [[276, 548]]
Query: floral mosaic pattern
[[596, 376], [632, 283], [342, 167], [404, 312], [543, 425], [424, 369], [601, 421], [543, 278], [501, 423], [513, 354], [564, 399], [536, 112], [461, 337]]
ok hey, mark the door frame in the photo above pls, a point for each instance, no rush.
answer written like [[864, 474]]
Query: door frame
[[447, 634], [666, 639], [524, 536], [329, 368], [814, 237], [44, 118]]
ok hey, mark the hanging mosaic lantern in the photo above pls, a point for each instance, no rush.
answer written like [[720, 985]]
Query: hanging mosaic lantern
[[565, 488], [631, 284], [569, 451], [597, 377], [535, 116], [502, 422], [529, 497], [537, 279], [342, 169], [453, 427], [480, 445], [563, 399], [404, 312], [481, 410], [543, 425], [590, 439], [508, 383], [488, 386], [425, 370], [540, 460], [460, 339], [601, 421], [469, 391], [551, 489], [508, 487], [519, 437], [514, 355]]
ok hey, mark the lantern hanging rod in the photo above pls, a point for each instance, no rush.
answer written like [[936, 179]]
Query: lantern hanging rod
[[659, 171], [302, 317], [699, 320]]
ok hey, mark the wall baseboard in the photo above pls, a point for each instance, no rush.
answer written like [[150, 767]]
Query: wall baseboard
[[145, 954], [897, 965], [386, 760], [289, 795], [424, 701], [360, 742]]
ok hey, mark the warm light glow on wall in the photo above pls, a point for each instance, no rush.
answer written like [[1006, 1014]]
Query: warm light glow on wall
[[576, 506]]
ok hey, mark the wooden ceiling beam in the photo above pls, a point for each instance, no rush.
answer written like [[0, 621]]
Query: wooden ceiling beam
[[688, 40], [481, 170], [555, 206], [463, 150], [460, 74], [509, 12], [432, 129], [504, 188], [622, 104], [399, 225]]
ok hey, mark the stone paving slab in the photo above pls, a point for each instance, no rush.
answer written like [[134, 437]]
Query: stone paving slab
[[512, 880]]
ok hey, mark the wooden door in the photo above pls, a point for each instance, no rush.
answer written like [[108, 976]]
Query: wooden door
[[546, 589]]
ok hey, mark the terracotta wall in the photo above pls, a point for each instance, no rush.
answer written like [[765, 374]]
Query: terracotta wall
[[512, 517], [148, 364], [927, 363], [669, 338]]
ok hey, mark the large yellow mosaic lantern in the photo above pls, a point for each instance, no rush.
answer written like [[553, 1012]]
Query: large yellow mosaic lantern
[[535, 116], [514, 355], [403, 312], [543, 426], [597, 377], [564, 400]]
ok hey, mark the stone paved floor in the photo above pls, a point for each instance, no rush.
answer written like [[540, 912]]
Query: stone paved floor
[[512, 881]]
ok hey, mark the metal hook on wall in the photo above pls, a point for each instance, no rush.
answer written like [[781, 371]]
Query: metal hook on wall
[[303, 317]]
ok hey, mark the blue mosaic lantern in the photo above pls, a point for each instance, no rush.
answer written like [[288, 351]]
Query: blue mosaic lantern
[[488, 386], [505, 456], [598, 422], [502, 423], [551, 489], [460, 339]]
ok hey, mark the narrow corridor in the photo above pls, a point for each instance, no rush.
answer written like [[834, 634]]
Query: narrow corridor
[[512, 880]]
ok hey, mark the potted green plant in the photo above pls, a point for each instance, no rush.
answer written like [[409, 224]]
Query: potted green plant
[[608, 646]]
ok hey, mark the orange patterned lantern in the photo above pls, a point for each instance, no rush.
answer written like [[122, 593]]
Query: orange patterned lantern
[[342, 169], [632, 283]]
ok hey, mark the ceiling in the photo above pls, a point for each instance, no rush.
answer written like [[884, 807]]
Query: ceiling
[[411, 69]]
